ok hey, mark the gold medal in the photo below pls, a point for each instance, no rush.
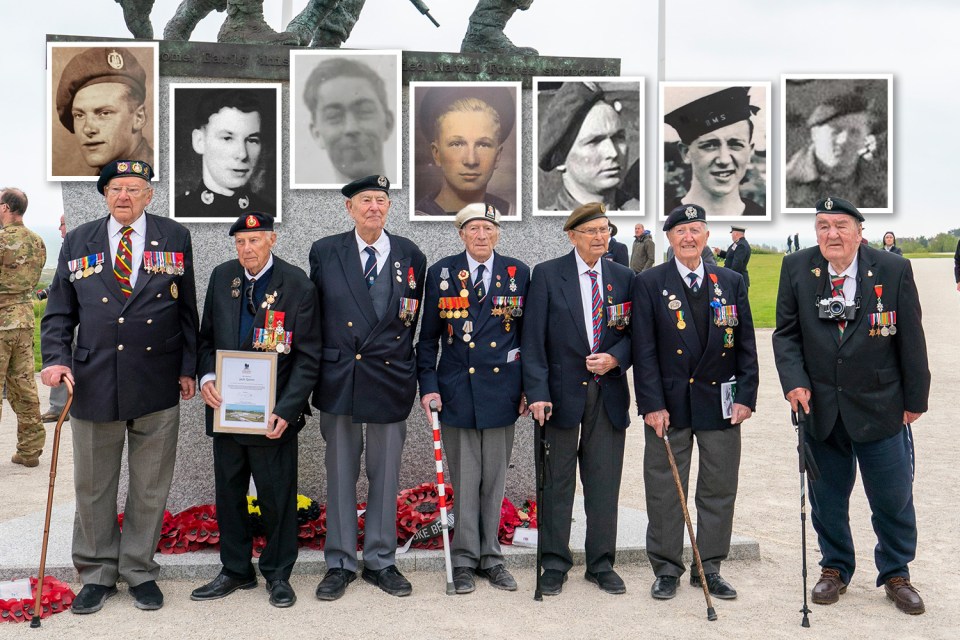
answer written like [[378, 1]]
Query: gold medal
[[173, 290], [88, 272], [464, 293], [681, 325]]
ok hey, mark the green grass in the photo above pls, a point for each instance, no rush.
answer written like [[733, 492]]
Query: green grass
[[764, 279]]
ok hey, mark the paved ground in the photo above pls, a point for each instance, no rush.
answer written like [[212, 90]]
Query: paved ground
[[767, 511]]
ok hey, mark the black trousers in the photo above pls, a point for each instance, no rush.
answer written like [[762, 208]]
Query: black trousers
[[274, 470]]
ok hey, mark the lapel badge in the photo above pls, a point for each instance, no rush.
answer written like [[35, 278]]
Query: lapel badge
[[236, 283], [154, 243], [234, 293], [609, 287], [869, 273], [815, 272]]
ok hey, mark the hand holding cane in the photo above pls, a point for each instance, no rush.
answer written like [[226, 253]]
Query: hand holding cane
[[807, 464], [711, 613], [442, 492], [37, 602], [543, 454]]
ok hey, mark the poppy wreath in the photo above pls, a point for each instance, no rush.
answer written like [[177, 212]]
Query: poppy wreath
[[511, 518], [417, 509], [55, 596]]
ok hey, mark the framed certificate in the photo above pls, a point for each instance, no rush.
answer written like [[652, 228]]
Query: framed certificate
[[246, 381]]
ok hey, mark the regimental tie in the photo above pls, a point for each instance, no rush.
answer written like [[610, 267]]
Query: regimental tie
[[694, 286], [121, 266], [370, 268], [478, 287], [836, 284], [597, 305]]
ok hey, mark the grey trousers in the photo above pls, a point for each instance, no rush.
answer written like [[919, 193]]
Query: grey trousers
[[383, 449], [101, 553], [716, 494], [478, 460]]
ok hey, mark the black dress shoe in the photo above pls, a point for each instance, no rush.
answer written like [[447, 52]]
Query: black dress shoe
[[222, 586], [608, 581], [281, 593], [551, 582], [91, 598], [716, 585], [664, 587], [463, 580], [389, 579], [499, 577], [334, 584], [147, 596]]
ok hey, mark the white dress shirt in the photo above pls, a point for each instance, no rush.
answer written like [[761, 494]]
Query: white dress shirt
[[682, 268], [381, 246]]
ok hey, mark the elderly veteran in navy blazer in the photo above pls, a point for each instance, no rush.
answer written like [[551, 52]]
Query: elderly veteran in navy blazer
[[849, 345], [576, 352], [692, 336], [125, 284], [474, 305], [370, 285], [259, 302]]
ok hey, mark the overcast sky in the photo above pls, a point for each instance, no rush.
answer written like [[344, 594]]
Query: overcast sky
[[734, 40]]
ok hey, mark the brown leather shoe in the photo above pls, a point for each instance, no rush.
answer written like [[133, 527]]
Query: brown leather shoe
[[24, 460], [829, 587], [904, 594]]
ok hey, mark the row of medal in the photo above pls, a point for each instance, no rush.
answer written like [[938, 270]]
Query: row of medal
[[273, 337], [883, 323], [618, 315], [86, 266], [409, 306], [168, 262]]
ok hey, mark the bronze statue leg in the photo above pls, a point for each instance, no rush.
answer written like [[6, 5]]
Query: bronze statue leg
[[136, 13], [245, 24], [336, 27], [188, 15], [485, 31], [309, 20]]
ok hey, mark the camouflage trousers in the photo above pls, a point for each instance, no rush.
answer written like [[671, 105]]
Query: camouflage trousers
[[16, 365]]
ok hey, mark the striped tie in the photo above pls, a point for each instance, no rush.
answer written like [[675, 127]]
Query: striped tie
[[836, 290], [370, 268], [693, 282], [597, 315], [121, 267], [478, 287]]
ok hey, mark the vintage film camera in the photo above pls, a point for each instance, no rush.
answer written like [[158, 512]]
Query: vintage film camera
[[836, 308]]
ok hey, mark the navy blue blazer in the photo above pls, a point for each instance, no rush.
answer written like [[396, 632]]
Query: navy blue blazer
[[130, 352], [556, 344], [298, 370], [368, 369], [479, 380], [672, 369]]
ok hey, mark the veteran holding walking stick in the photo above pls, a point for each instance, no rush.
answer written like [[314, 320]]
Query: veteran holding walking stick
[[473, 312], [849, 345]]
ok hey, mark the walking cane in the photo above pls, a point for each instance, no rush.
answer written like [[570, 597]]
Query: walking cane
[[37, 604], [442, 492], [807, 465], [711, 613], [543, 455]]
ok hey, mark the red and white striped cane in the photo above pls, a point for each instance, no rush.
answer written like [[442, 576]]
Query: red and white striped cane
[[442, 492]]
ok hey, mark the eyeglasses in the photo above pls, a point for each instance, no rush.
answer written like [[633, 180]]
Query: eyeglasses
[[133, 192], [598, 231]]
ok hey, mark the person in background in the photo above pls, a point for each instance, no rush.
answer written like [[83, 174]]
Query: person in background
[[890, 243]]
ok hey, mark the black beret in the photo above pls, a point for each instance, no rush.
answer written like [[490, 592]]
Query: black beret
[[585, 213], [831, 204], [254, 221], [711, 112], [683, 214], [437, 100], [838, 105], [123, 169], [97, 65], [375, 183], [562, 119]]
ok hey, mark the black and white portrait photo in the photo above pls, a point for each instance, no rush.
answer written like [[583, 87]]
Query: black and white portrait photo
[[102, 104], [224, 151], [713, 148], [837, 139], [344, 117], [588, 145], [464, 148]]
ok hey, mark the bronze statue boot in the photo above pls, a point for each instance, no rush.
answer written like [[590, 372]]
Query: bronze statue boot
[[136, 14], [309, 20], [487, 22], [188, 16], [245, 24]]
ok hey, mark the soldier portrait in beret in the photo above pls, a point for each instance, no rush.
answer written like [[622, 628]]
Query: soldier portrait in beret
[[713, 149], [464, 141], [102, 99], [836, 140], [344, 117], [589, 144], [224, 151]]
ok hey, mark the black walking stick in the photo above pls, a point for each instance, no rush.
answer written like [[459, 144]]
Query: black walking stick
[[37, 604], [711, 613], [807, 465], [543, 455]]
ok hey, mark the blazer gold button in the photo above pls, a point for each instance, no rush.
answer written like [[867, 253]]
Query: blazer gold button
[[149, 348], [386, 362], [104, 300], [679, 352], [471, 370], [723, 355], [714, 382], [159, 295], [472, 345], [493, 345], [691, 380], [358, 356], [496, 369], [149, 320], [119, 347], [584, 383], [120, 320], [349, 324]]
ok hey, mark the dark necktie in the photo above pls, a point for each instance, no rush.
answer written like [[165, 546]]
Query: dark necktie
[[248, 294], [478, 287], [370, 268], [836, 290], [122, 266], [692, 277], [597, 311]]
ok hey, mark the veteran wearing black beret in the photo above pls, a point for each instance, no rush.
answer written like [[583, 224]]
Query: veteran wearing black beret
[[716, 140], [736, 257], [583, 139], [100, 100], [841, 157], [466, 128]]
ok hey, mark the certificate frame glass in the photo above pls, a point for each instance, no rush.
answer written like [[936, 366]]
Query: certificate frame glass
[[247, 383]]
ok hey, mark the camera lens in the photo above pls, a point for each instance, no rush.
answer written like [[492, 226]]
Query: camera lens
[[836, 308]]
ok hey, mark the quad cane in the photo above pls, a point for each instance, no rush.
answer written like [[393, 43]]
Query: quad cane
[[442, 492], [37, 603], [711, 613], [543, 455], [807, 465]]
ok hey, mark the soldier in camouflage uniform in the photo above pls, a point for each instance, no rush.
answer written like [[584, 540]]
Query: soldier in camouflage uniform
[[22, 256]]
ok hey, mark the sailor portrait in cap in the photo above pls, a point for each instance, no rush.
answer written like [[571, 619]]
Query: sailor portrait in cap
[[712, 163], [465, 147], [100, 94]]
